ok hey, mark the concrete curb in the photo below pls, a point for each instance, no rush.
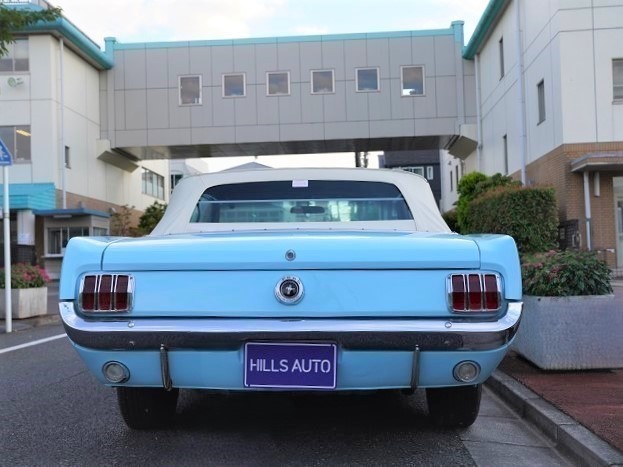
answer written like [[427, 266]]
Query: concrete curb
[[573, 439]]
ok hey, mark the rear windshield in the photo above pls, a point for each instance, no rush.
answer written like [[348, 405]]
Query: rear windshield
[[301, 201]]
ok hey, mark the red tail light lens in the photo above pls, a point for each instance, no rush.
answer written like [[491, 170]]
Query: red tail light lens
[[474, 292], [106, 292]]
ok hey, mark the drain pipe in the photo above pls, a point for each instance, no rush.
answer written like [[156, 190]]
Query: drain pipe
[[522, 96], [478, 115], [62, 125], [587, 210]]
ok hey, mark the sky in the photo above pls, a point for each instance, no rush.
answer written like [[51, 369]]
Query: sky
[[182, 20]]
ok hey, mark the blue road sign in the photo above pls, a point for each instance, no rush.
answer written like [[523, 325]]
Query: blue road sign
[[5, 155]]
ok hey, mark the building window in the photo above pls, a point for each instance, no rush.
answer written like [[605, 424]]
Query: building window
[[415, 170], [278, 83], [456, 170], [59, 236], [152, 184], [451, 182], [17, 140], [175, 179], [505, 149], [67, 158], [430, 172], [17, 57], [234, 85], [412, 80], [540, 91], [617, 78], [501, 49], [367, 79], [190, 90], [322, 82]]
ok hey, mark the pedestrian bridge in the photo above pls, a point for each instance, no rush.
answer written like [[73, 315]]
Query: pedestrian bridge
[[315, 94]]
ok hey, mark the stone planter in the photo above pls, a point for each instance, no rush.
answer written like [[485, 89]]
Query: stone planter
[[26, 303], [571, 333]]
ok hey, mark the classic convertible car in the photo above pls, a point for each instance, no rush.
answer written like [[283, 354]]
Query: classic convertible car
[[294, 280]]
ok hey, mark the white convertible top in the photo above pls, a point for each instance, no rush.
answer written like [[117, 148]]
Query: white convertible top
[[414, 188]]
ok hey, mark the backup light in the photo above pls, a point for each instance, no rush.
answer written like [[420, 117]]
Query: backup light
[[106, 293], [474, 292], [466, 372], [115, 372]]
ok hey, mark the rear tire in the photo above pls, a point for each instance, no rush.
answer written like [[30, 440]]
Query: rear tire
[[455, 406], [147, 408]]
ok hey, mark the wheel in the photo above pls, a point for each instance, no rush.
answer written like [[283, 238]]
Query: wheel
[[146, 408], [455, 406]]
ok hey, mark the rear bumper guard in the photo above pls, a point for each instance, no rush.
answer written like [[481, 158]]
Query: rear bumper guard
[[226, 333]]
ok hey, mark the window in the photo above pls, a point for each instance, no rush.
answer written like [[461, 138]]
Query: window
[[175, 179], [67, 159], [301, 201], [17, 57], [367, 79], [505, 149], [412, 80], [190, 90], [234, 85], [540, 91], [17, 139], [59, 236], [617, 78], [451, 182], [456, 170], [153, 184], [415, 170], [278, 83], [501, 48], [322, 82], [430, 172]]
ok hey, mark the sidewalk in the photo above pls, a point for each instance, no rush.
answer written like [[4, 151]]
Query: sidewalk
[[580, 411]]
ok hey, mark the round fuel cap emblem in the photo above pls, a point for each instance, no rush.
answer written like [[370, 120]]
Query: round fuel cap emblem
[[289, 290]]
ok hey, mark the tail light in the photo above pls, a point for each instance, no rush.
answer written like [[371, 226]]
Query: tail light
[[474, 292], [106, 292]]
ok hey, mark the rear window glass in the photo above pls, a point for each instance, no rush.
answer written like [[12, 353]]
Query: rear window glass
[[301, 201]]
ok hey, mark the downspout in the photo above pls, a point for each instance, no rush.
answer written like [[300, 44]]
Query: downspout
[[522, 95], [62, 129], [587, 210], [478, 116]]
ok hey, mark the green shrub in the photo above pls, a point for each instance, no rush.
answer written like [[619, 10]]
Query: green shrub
[[473, 185], [451, 220], [151, 217], [25, 276], [565, 273], [529, 215]]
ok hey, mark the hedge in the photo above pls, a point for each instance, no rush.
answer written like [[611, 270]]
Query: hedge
[[529, 215]]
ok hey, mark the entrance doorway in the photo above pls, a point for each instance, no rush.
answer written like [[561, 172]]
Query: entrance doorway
[[618, 203]]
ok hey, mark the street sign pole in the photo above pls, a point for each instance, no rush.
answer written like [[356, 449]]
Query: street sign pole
[[7, 252], [5, 160]]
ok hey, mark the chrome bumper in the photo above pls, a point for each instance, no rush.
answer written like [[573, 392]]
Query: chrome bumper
[[225, 333]]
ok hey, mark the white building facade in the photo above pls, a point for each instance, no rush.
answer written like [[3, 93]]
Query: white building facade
[[550, 108]]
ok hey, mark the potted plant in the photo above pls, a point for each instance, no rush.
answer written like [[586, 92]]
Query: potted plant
[[29, 294], [570, 320]]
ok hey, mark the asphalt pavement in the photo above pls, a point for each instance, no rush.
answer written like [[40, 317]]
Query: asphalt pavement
[[580, 412]]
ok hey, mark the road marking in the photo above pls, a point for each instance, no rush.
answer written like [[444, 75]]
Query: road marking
[[30, 344]]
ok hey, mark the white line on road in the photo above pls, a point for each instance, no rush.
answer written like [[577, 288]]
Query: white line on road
[[30, 344]]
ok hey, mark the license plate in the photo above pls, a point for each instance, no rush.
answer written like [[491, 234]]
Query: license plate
[[290, 365]]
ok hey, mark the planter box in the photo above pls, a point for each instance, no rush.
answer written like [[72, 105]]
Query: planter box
[[571, 333], [26, 303]]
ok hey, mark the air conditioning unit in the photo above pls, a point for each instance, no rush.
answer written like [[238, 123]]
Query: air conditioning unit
[[15, 81]]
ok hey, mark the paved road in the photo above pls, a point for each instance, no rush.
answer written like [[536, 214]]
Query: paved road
[[53, 412]]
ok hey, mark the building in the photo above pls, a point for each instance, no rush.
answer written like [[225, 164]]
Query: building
[[549, 93]]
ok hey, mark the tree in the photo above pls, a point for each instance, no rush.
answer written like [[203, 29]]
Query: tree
[[121, 222], [12, 19], [151, 217]]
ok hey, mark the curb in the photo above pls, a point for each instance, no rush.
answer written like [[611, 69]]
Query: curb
[[572, 438]]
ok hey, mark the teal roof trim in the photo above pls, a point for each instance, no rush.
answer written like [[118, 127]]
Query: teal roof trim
[[488, 20], [66, 28], [30, 196], [285, 40]]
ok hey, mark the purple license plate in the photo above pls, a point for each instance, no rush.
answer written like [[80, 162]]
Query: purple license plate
[[289, 365]]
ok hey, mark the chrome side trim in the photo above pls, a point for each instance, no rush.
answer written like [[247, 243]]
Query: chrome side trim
[[196, 333]]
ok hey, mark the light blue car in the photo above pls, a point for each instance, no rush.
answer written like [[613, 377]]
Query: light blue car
[[294, 280]]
